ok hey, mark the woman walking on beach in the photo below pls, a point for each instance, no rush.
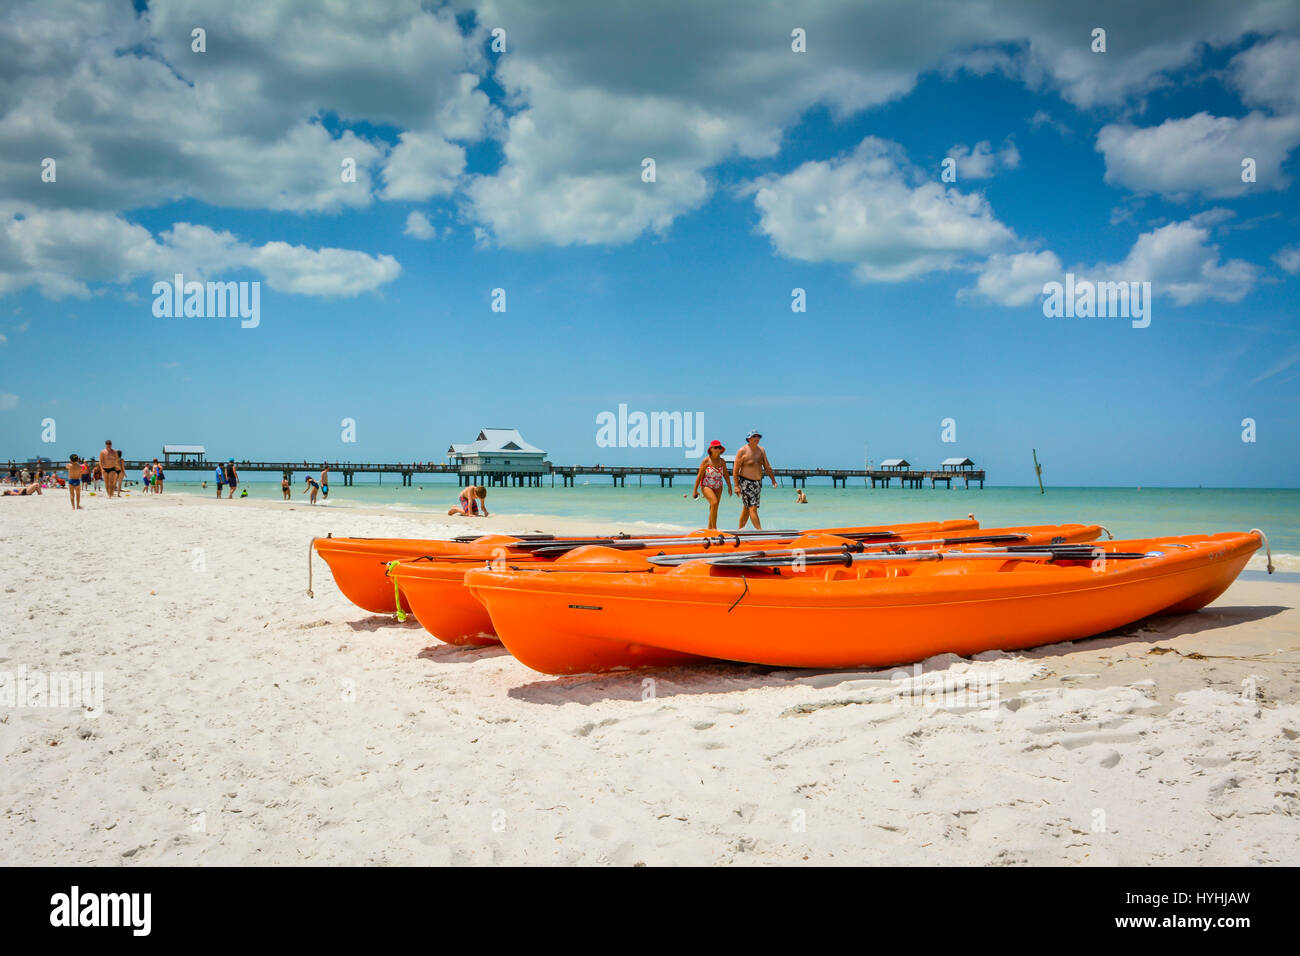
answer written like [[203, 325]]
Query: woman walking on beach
[[157, 477], [710, 477]]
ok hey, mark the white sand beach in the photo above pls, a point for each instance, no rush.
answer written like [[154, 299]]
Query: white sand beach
[[244, 722]]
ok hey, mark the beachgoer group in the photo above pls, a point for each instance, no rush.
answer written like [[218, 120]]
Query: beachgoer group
[[750, 465]]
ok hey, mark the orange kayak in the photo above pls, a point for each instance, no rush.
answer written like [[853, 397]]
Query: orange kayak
[[360, 565], [436, 593], [862, 610]]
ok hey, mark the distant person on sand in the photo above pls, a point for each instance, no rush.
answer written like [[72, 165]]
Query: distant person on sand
[[801, 498], [220, 473], [284, 488], [108, 465], [76, 469], [146, 476], [232, 478], [121, 473], [32, 489], [709, 478], [469, 499], [751, 463], [157, 477], [311, 488], [325, 481]]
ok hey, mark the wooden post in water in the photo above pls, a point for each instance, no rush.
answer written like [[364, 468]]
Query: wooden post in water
[[1038, 470]]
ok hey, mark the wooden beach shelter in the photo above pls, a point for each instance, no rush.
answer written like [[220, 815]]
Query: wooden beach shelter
[[185, 454], [895, 464], [958, 464]]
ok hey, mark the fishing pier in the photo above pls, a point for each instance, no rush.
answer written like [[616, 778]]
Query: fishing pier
[[501, 457], [568, 475]]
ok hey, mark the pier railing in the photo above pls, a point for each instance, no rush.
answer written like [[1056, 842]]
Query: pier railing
[[568, 474]]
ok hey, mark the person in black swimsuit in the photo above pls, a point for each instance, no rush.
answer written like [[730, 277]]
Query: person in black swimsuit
[[108, 465]]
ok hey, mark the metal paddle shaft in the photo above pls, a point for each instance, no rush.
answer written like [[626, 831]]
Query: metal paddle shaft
[[640, 544], [668, 560], [1027, 553]]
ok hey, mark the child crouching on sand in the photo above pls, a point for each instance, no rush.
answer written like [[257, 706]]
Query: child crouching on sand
[[469, 499]]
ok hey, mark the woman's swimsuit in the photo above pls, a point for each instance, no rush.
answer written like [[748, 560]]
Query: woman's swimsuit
[[712, 477]]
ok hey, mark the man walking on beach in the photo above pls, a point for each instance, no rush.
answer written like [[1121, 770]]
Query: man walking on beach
[[751, 462], [325, 480], [108, 465]]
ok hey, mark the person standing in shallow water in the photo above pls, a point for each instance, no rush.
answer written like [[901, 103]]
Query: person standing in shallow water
[[284, 487], [325, 480], [709, 479]]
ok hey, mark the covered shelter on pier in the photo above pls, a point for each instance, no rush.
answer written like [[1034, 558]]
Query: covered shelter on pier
[[185, 454], [501, 455]]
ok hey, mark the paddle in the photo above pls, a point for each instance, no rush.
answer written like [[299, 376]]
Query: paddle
[[668, 560], [1026, 553], [555, 549]]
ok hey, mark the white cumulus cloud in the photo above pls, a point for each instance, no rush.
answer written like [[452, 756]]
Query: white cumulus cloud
[[418, 226], [1199, 154], [873, 211]]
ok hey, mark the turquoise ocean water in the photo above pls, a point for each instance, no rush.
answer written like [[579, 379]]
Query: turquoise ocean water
[[1127, 512]]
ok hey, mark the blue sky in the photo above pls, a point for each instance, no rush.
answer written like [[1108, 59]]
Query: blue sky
[[775, 170]]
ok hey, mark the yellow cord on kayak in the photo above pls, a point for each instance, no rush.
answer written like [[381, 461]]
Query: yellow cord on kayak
[[397, 594]]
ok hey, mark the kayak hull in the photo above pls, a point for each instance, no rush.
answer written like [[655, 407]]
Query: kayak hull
[[360, 565], [436, 592], [871, 615]]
